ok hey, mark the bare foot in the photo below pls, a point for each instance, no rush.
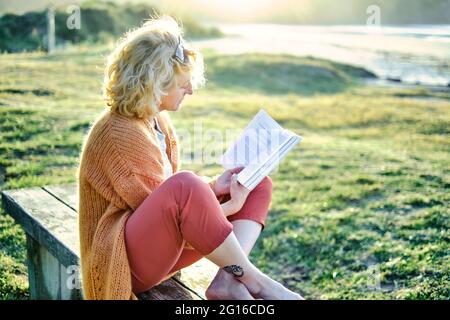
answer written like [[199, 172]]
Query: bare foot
[[269, 289], [226, 287]]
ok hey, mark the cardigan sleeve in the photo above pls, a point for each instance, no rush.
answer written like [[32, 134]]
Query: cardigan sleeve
[[124, 164], [128, 179]]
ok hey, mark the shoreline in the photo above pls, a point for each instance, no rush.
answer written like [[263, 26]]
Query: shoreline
[[390, 83], [396, 56]]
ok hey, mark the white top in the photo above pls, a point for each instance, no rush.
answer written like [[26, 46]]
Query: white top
[[162, 141]]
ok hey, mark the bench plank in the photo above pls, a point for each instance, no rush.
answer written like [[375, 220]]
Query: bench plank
[[67, 193], [48, 278], [169, 290], [199, 275], [46, 220], [40, 279]]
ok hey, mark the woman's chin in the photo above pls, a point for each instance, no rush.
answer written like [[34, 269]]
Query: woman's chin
[[173, 108]]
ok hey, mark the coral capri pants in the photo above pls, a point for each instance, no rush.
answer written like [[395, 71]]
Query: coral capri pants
[[179, 223]]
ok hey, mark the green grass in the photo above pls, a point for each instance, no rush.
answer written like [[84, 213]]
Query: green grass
[[360, 208]]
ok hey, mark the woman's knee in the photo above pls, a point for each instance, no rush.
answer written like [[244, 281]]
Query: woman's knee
[[189, 180]]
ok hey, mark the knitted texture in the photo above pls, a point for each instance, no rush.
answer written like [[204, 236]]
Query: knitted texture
[[121, 164]]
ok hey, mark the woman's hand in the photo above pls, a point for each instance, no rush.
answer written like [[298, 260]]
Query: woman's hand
[[238, 194], [222, 184]]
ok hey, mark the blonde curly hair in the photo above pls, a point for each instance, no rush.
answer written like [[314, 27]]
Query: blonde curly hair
[[142, 68]]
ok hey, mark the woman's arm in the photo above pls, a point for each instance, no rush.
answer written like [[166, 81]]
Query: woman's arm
[[228, 208]]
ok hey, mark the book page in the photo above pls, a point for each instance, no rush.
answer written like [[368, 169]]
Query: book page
[[252, 175], [260, 138]]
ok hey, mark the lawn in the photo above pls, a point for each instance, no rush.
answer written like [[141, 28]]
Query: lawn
[[360, 208]]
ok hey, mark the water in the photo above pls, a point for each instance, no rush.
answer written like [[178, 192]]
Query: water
[[415, 54]]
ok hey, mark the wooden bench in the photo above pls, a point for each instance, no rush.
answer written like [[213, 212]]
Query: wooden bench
[[49, 217]]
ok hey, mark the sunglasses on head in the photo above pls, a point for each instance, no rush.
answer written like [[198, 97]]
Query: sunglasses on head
[[179, 52]]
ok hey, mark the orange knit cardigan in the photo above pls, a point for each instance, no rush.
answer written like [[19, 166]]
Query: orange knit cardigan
[[121, 164]]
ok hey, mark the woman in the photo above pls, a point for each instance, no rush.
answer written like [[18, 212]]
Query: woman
[[140, 219]]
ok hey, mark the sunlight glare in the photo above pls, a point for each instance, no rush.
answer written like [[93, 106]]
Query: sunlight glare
[[240, 8]]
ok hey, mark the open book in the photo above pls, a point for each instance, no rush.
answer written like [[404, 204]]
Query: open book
[[259, 149]]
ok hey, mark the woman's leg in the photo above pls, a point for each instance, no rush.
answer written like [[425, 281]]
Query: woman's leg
[[191, 216], [248, 223], [247, 226], [182, 209], [232, 259], [224, 286]]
